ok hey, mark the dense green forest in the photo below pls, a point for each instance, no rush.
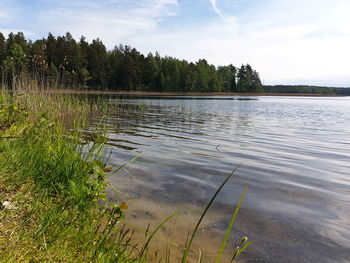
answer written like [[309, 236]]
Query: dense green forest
[[342, 91], [298, 89], [82, 64], [306, 89], [71, 63]]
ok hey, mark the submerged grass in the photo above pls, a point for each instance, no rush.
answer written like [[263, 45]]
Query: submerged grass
[[53, 173]]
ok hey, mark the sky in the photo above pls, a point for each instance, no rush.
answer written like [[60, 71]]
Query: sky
[[286, 41]]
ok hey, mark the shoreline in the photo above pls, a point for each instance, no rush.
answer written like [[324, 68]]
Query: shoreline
[[154, 93]]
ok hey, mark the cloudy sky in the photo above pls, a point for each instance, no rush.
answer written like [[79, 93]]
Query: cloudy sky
[[287, 41]]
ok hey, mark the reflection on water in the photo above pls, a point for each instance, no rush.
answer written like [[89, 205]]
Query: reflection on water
[[294, 154]]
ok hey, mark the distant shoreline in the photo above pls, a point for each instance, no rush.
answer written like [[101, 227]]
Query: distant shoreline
[[152, 93]]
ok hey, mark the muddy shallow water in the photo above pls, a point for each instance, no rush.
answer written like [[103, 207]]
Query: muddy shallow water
[[294, 154]]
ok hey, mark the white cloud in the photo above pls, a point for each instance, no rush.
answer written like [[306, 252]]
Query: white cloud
[[113, 22], [8, 15], [216, 9], [295, 44]]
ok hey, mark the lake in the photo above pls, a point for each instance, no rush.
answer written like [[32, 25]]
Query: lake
[[293, 152]]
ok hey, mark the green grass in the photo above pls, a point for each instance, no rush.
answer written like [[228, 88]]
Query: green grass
[[55, 176], [57, 179]]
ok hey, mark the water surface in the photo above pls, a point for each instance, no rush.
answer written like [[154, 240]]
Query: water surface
[[294, 154]]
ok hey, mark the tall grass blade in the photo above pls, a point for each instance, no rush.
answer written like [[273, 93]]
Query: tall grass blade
[[200, 258], [244, 244], [155, 232], [189, 244], [228, 231]]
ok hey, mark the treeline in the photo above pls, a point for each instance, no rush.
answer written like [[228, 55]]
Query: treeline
[[298, 89], [305, 89], [342, 91], [91, 65]]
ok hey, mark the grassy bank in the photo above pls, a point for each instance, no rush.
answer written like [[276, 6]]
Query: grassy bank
[[53, 186]]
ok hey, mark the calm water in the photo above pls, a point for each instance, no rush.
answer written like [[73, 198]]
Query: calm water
[[294, 154]]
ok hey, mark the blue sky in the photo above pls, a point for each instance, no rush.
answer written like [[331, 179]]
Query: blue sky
[[287, 41]]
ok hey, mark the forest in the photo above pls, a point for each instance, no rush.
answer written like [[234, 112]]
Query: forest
[[299, 89], [73, 63], [306, 89]]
